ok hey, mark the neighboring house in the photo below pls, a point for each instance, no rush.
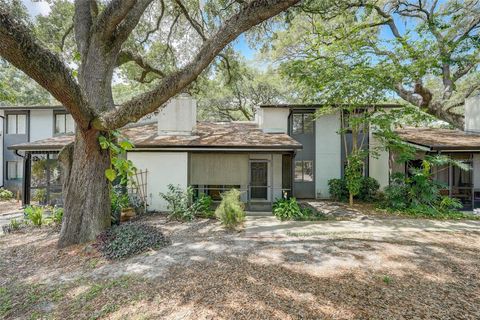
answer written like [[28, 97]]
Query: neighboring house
[[284, 151], [21, 124]]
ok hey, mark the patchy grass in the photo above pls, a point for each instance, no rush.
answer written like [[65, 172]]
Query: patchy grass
[[209, 274]]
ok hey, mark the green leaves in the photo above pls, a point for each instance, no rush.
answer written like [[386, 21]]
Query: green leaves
[[120, 166], [110, 174]]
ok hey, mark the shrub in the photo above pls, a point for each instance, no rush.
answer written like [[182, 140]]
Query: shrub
[[128, 239], [286, 209], [5, 194], [231, 211], [203, 207], [182, 207], [56, 216], [15, 224], [368, 189], [34, 214], [289, 209], [118, 201], [420, 196], [338, 189]]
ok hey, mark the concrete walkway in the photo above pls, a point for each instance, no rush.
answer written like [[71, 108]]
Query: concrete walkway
[[270, 227]]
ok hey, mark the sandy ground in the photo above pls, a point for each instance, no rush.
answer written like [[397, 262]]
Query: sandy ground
[[362, 269]]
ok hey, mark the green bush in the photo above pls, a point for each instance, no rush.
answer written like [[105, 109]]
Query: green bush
[[5, 194], [129, 239], [203, 207], [181, 206], [289, 209], [286, 209], [34, 214], [338, 189], [56, 216], [118, 201], [231, 211], [368, 189], [15, 224], [419, 196]]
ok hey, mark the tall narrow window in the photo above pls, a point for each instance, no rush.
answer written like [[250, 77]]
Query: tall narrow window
[[304, 171], [302, 123], [64, 123], [16, 124], [14, 170]]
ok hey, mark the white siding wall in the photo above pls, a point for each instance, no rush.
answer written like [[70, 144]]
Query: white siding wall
[[41, 124], [378, 166], [327, 152], [164, 168]]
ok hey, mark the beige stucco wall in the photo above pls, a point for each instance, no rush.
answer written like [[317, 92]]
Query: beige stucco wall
[[164, 168]]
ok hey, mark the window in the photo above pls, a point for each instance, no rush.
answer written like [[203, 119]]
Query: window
[[16, 124], [14, 170], [302, 123], [304, 171], [214, 191], [64, 123]]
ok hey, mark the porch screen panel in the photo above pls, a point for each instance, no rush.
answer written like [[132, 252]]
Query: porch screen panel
[[219, 169]]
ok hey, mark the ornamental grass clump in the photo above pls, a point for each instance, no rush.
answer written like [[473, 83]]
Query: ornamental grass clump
[[231, 212]]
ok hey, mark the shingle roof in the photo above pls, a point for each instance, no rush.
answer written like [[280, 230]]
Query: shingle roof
[[226, 135], [441, 139]]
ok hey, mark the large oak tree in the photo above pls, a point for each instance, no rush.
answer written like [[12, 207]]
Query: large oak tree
[[426, 52], [104, 34]]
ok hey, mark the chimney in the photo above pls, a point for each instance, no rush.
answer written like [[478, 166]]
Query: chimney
[[178, 117], [472, 114]]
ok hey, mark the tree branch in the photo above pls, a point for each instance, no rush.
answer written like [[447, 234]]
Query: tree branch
[[85, 11], [128, 56], [19, 48], [157, 27], [192, 21], [250, 15]]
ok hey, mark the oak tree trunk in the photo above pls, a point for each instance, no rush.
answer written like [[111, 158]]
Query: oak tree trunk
[[86, 191]]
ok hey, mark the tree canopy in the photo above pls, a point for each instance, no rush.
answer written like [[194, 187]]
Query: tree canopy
[[425, 52]]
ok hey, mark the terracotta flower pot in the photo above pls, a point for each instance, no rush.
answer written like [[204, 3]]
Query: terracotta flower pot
[[127, 214]]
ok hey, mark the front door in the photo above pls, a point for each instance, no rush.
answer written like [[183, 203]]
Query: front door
[[259, 180]]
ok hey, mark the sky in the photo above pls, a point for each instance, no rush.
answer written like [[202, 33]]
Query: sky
[[37, 7], [42, 8]]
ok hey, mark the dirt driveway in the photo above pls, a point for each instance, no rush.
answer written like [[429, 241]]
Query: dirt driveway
[[362, 269]]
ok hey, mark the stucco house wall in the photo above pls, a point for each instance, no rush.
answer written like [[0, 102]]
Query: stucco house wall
[[164, 168]]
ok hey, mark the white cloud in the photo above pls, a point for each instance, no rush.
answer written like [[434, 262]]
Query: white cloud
[[36, 8]]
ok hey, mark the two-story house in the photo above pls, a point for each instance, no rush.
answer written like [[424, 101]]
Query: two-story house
[[21, 124], [286, 150]]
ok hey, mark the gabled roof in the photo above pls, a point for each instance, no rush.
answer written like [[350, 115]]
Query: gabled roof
[[222, 135], [437, 139]]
